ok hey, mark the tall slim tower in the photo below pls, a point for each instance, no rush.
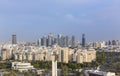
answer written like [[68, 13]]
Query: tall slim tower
[[83, 40], [14, 39], [54, 64], [59, 39], [44, 41], [73, 41], [39, 42], [50, 39]]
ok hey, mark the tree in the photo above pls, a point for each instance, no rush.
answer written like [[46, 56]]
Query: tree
[[36, 65], [111, 61], [72, 66], [12, 73], [78, 73], [27, 74], [64, 70], [101, 58]]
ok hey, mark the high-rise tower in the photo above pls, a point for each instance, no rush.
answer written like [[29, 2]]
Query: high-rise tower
[[44, 41], [68, 41], [14, 39], [73, 41], [83, 40], [50, 39], [39, 42], [59, 39]]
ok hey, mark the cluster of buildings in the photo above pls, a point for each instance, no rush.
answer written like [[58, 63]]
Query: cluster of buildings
[[62, 41], [113, 42], [103, 44], [29, 53], [67, 48]]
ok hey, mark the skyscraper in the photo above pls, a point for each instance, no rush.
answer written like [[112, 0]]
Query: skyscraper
[[83, 40], [14, 39], [109, 42], [113, 42], [39, 42], [73, 41], [59, 39], [44, 41], [55, 41], [62, 41], [67, 41], [50, 39]]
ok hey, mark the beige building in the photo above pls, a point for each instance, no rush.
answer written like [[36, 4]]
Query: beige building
[[4, 54], [64, 55], [35, 56], [70, 55], [86, 56], [80, 58], [29, 56], [22, 56], [18, 56], [99, 44]]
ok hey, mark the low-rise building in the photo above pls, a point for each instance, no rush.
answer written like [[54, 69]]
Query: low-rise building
[[97, 73], [21, 66], [40, 72]]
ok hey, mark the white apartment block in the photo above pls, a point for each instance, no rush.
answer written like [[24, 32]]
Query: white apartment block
[[97, 73], [21, 66]]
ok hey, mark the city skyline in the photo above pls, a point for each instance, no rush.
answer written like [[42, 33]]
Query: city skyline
[[30, 20]]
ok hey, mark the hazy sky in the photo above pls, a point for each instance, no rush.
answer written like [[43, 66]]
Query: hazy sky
[[31, 19]]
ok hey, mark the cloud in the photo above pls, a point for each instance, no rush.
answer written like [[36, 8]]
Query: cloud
[[70, 17]]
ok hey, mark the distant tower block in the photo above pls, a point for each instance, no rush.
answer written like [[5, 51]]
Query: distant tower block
[[14, 39], [83, 40]]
